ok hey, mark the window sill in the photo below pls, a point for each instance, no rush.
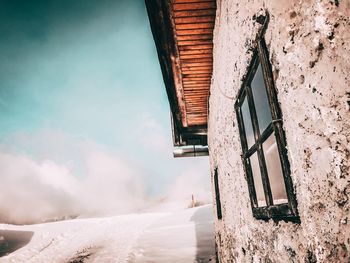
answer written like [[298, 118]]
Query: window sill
[[281, 212]]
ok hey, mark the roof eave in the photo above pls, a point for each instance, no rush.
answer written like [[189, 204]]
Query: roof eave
[[160, 17]]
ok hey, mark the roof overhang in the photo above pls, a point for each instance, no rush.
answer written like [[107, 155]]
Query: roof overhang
[[183, 34]]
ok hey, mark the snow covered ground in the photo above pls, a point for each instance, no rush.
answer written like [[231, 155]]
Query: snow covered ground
[[180, 237]]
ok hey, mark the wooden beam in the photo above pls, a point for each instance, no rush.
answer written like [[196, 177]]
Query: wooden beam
[[198, 111], [185, 63], [194, 19], [196, 52], [197, 114], [201, 12], [197, 98], [197, 75], [202, 71], [196, 95], [200, 88], [194, 56], [194, 42], [200, 31], [184, 48], [198, 79], [207, 81], [195, 90], [196, 68], [195, 37], [195, 26], [201, 66], [187, 83], [197, 120], [208, 71], [194, 6], [197, 103], [196, 64], [190, 90]]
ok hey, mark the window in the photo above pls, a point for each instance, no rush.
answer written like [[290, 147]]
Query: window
[[263, 142], [217, 194]]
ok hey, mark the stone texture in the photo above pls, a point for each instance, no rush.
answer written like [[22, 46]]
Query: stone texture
[[309, 46]]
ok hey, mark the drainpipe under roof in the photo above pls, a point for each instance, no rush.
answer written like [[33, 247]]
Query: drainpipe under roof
[[191, 151]]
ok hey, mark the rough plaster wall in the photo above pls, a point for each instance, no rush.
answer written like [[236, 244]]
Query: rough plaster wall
[[309, 45]]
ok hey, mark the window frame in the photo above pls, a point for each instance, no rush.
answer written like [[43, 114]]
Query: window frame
[[287, 211]]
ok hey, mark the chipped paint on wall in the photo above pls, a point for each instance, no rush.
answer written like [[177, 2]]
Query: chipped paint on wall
[[309, 49]]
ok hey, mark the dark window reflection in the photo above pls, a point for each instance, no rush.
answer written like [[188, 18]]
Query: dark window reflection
[[261, 101], [247, 123]]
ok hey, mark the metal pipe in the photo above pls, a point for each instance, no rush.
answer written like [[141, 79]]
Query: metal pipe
[[191, 151]]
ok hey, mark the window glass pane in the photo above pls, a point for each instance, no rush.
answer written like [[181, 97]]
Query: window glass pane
[[259, 189], [247, 123], [274, 171], [261, 102]]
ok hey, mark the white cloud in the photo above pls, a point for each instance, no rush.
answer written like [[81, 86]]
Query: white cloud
[[33, 191], [62, 175], [28, 195]]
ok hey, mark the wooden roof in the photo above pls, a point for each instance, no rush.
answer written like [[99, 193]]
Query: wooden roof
[[183, 33]]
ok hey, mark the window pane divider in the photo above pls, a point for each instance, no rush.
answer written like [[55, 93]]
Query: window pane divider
[[262, 165]]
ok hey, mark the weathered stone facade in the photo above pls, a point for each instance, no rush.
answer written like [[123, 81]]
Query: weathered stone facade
[[309, 49]]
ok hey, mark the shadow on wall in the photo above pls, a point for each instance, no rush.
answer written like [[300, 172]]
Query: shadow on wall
[[204, 227], [11, 240]]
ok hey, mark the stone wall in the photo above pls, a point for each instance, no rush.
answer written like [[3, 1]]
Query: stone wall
[[309, 46]]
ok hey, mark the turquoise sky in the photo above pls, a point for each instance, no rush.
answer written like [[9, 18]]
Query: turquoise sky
[[84, 70], [78, 66]]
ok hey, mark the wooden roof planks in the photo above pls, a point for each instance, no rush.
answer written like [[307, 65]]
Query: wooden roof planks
[[183, 33]]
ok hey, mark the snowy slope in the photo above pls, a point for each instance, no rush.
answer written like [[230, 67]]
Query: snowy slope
[[182, 237], [179, 237]]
